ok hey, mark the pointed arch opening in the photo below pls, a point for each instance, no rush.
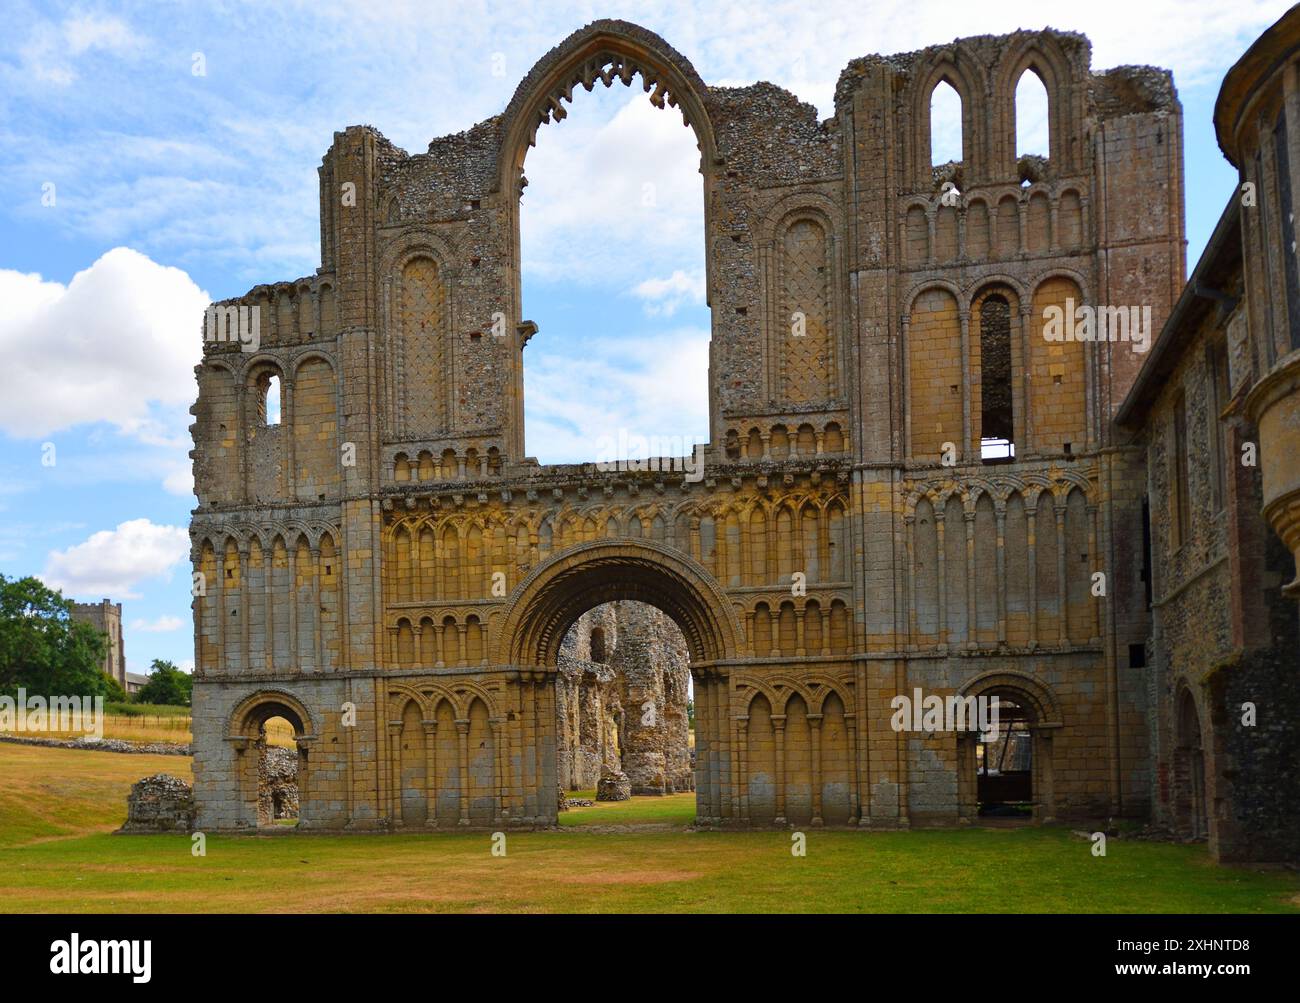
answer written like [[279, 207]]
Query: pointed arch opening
[[613, 330], [946, 138], [1033, 115]]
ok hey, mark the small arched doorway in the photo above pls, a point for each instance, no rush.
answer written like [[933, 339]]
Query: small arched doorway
[[1004, 764], [271, 734], [1006, 775], [1190, 817]]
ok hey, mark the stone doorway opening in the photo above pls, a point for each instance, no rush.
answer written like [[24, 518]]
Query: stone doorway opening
[[1190, 817], [1004, 765], [277, 774], [623, 705]]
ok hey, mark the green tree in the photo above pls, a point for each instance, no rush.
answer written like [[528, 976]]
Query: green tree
[[43, 650], [167, 685]]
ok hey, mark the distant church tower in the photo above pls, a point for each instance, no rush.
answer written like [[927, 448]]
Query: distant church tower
[[106, 617]]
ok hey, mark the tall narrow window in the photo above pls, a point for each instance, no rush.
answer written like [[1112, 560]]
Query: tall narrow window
[[945, 125], [268, 402], [1032, 133], [996, 418], [1181, 488], [1287, 216], [1218, 362]]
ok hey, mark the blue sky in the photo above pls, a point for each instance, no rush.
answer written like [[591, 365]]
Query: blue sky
[[157, 155]]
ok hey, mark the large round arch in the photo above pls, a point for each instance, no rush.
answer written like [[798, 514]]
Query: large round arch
[[548, 602]]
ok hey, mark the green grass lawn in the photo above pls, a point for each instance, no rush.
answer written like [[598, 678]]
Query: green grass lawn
[[674, 809], [57, 854]]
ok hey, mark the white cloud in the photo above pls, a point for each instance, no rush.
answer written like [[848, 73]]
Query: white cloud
[[614, 191], [112, 562], [180, 481], [662, 297], [52, 50], [649, 386], [118, 344], [162, 625]]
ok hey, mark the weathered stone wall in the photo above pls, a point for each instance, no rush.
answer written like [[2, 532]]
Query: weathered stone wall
[[277, 784], [588, 703], [1226, 704], [627, 712], [159, 803]]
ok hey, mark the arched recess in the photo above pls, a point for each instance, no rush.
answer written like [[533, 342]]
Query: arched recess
[[936, 389], [418, 309], [1058, 377], [220, 425], [245, 734], [314, 420], [798, 252], [263, 441], [1191, 818], [997, 372], [1042, 710], [804, 350], [603, 52]]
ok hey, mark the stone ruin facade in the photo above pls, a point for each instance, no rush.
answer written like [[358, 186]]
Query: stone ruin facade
[[387, 569], [621, 701]]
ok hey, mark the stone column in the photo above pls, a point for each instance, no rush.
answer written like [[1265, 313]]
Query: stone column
[[1031, 547], [292, 555], [395, 772], [971, 635], [268, 603], [1001, 511], [815, 734], [778, 736], [1062, 592], [462, 732], [430, 774], [245, 605]]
